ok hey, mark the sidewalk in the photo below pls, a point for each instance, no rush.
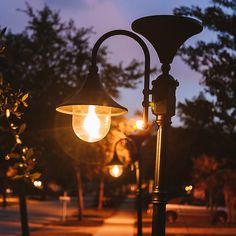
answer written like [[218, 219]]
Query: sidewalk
[[122, 223]]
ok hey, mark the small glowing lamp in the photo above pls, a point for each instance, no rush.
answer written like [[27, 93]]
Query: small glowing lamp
[[188, 188], [139, 124], [8, 190], [116, 171], [38, 184], [115, 166]]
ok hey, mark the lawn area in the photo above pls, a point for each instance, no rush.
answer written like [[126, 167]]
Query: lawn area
[[91, 218]]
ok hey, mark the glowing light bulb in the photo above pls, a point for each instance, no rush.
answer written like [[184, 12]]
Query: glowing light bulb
[[91, 123], [38, 184], [139, 124], [116, 171]]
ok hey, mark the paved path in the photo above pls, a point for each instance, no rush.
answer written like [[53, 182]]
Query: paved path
[[121, 223]]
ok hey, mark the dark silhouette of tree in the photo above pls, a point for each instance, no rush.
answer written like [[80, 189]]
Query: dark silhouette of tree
[[215, 58], [217, 180], [206, 178], [197, 113], [17, 160]]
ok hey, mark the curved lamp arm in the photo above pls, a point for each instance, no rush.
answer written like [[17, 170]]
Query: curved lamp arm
[[129, 141], [134, 36]]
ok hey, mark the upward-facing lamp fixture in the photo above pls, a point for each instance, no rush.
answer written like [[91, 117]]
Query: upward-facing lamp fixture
[[91, 107]]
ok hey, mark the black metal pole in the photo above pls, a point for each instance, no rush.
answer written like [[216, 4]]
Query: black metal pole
[[23, 208], [159, 198], [163, 97], [139, 196], [138, 141]]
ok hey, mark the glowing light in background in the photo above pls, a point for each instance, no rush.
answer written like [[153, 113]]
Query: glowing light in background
[[116, 171]]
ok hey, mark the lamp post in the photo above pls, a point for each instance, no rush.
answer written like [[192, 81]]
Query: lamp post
[[115, 167], [139, 139], [92, 108]]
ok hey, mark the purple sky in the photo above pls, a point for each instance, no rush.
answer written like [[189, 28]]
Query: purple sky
[[106, 15]]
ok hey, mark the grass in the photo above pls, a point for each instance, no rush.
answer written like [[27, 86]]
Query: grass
[[91, 218]]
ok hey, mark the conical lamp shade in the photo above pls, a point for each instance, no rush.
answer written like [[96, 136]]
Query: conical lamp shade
[[166, 33], [92, 93], [115, 161]]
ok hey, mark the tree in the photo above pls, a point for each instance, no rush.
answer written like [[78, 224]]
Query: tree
[[21, 158], [207, 178], [198, 113], [217, 180], [215, 59], [229, 190]]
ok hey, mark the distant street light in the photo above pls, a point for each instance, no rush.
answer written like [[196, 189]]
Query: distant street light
[[115, 166], [38, 184], [116, 169], [139, 124], [92, 108]]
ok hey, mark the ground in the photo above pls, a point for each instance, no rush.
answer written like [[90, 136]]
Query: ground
[[45, 218]]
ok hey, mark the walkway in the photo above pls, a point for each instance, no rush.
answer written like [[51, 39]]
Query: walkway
[[121, 223]]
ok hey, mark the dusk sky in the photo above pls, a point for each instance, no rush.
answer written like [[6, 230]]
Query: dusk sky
[[106, 15]]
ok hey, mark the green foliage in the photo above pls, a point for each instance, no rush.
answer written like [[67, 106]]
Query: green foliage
[[21, 158], [198, 113], [215, 59]]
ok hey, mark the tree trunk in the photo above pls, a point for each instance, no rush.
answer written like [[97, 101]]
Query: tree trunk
[[80, 200], [23, 208], [230, 200], [211, 207], [4, 198], [101, 192]]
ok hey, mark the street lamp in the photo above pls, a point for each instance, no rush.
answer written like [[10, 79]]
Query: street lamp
[[115, 166], [166, 33], [115, 163]]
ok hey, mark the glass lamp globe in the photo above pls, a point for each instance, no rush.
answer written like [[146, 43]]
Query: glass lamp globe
[[91, 123], [116, 170]]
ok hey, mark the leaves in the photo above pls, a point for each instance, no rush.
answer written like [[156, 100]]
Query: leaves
[[24, 97], [197, 114], [30, 153], [11, 103], [18, 140], [14, 155], [215, 59], [22, 128], [8, 113], [35, 175], [18, 177]]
